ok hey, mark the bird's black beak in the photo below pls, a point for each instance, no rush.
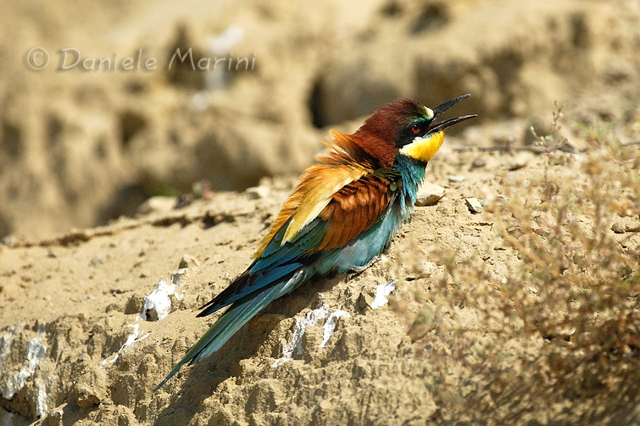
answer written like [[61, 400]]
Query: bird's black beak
[[438, 127]]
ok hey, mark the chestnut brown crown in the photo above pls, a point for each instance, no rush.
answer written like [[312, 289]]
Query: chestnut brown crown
[[401, 123]]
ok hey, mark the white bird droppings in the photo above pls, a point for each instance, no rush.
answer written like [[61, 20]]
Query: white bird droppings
[[157, 305], [42, 400], [131, 339], [310, 319], [382, 294], [36, 351], [330, 326]]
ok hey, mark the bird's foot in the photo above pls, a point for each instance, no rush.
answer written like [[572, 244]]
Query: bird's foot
[[354, 271]]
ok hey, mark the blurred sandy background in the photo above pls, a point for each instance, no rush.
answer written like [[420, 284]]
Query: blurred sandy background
[[82, 148]]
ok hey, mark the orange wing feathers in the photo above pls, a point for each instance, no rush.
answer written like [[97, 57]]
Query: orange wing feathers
[[354, 209], [346, 150], [340, 188]]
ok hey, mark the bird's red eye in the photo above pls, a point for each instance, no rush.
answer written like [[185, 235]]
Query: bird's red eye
[[415, 128]]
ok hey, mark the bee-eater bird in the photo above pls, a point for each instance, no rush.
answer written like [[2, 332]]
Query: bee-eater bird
[[343, 213]]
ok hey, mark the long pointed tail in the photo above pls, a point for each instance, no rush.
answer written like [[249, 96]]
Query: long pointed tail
[[233, 319]]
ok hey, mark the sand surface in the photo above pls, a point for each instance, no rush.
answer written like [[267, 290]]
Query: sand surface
[[81, 343]]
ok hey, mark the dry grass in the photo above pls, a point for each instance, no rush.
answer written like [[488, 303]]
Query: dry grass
[[556, 340]]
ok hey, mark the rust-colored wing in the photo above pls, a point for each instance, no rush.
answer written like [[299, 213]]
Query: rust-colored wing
[[344, 164], [342, 189], [355, 208]]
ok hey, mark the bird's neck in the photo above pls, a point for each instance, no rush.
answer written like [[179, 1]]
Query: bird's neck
[[412, 172]]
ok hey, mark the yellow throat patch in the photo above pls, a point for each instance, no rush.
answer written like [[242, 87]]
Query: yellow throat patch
[[423, 149]]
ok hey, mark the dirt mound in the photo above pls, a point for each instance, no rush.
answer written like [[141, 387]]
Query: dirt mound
[[94, 359], [92, 320]]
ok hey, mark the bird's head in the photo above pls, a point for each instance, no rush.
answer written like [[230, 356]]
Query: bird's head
[[407, 127]]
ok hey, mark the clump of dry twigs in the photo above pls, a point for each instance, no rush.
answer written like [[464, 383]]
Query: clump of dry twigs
[[556, 340]]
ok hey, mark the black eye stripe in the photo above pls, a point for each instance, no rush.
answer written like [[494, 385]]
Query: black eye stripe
[[421, 126], [415, 128]]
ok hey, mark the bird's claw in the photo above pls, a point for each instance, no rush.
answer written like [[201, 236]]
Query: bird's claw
[[354, 271]]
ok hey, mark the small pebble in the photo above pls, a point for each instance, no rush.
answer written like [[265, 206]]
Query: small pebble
[[618, 228], [96, 261], [134, 304], [188, 261], [478, 162], [429, 194], [456, 178], [518, 162], [567, 147], [158, 204], [492, 201], [257, 192], [365, 300], [9, 240], [474, 205]]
